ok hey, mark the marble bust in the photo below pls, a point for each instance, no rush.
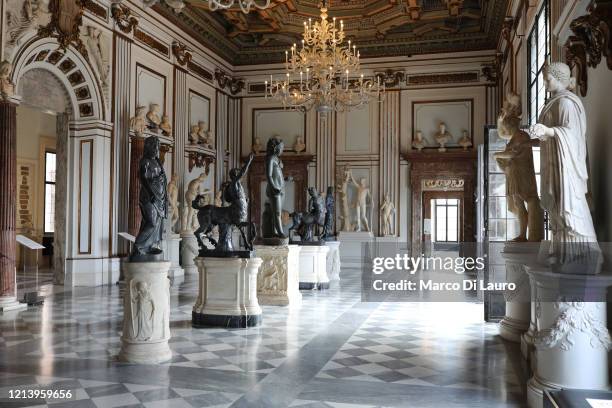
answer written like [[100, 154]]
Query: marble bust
[[165, 126], [418, 142], [443, 137], [465, 140], [299, 145], [203, 133], [138, 123], [193, 134], [7, 88], [256, 148], [153, 116], [516, 161], [561, 129]]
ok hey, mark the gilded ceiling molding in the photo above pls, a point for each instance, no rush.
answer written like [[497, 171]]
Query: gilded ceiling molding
[[65, 24], [123, 18], [592, 40], [235, 85], [390, 78], [180, 52]]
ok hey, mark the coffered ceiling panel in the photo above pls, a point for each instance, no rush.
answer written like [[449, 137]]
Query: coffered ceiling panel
[[378, 27]]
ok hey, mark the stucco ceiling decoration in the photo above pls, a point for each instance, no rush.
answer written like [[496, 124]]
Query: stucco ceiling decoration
[[379, 27]]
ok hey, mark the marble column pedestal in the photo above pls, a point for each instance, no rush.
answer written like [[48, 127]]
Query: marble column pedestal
[[313, 267], [518, 302], [146, 313], [352, 247], [278, 282], [571, 339], [227, 295], [173, 253], [333, 260], [10, 303], [189, 252]]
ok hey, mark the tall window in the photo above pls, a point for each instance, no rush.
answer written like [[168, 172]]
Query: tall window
[[446, 219], [49, 216], [539, 53]]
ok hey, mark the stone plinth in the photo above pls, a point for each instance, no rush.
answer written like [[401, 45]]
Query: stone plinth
[[173, 254], [146, 313], [333, 260], [313, 267], [518, 302], [189, 252], [227, 295], [278, 282], [571, 339], [352, 255]]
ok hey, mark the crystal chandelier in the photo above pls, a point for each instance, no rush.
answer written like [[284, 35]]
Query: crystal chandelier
[[245, 5], [326, 70]]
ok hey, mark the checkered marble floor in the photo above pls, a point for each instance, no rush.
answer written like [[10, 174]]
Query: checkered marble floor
[[332, 351]]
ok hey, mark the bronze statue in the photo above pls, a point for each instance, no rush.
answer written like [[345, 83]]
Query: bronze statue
[[330, 209], [275, 191], [233, 215], [305, 223], [153, 202]]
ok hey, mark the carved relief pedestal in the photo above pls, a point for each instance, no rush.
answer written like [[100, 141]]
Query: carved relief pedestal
[[146, 313], [278, 283], [173, 243], [189, 251], [313, 267], [571, 340], [352, 255], [227, 295], [333, 260], [518, 302]]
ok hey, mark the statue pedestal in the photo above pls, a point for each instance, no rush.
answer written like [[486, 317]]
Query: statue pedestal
[[333, 260], [518, 302], [10, 303], [172, 250], [571, 340], [146, 313], [313, 267], [278, 281], [352, 247], [189, 252], [227, 295]]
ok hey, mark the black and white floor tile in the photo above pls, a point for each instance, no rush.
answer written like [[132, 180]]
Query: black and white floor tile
[[332, 351]]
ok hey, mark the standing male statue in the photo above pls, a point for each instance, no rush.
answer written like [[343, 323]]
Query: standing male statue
[[361, 204], [562, 130], [153, 202], [275, 190]]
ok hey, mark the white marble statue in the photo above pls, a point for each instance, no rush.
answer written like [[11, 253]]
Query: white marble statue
[[561, 129], [165, 126], [143, 310], [516, 160], [153, 116], [193, 135], [173, 205], [194, 188], [465, 140], [361, 204], [203, 134], [7, 88], [443, 137], [299, 146], [97, 52], [418, 142], [138, 123], [387, 210], [345, 214]]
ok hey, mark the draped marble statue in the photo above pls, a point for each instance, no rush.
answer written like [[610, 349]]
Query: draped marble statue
[[153, 201], [564, 188]]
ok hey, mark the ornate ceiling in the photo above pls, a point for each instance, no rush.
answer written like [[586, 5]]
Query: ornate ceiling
[[378, 27]]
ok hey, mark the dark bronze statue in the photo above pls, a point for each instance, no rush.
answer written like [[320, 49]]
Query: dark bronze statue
[[308, 224], [226, 218], [275, 192], [330, 207], [153, 202]]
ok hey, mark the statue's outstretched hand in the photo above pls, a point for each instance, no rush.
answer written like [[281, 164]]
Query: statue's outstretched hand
[[540, 131]]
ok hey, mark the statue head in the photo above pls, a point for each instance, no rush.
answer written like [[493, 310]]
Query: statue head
[[330, 190], [312, 191], [202, 176], [362, 181], [165, 119], [509, 120], [387, 199], [442, 127], [151, 147], [202, 125], [419, 135], [5, 69], [558, 77], [174, 178], [141, 110], [275, 146], [153, 108], [194, 129], [234, 174], [200, 201]]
